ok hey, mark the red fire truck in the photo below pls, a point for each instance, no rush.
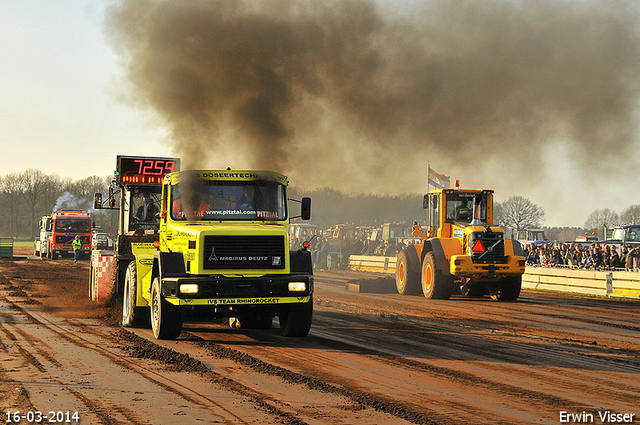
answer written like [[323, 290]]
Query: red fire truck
[[58, 230]]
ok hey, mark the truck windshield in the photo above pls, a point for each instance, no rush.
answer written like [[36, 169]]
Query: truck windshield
[[230, 200], [460, 207], [76, 225]]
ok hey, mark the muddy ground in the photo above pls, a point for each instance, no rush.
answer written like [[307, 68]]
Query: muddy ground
[[371, 357]]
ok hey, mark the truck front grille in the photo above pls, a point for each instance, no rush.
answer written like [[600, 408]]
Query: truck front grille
[[244, 252], [494, 248]]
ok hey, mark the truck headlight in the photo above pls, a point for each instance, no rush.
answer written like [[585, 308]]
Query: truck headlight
[[189, 288], [297, 286]]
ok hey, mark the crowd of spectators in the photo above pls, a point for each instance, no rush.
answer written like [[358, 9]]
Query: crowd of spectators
[[578, 256]]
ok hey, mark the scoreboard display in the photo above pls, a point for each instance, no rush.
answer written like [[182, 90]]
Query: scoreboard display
[[143, 170]]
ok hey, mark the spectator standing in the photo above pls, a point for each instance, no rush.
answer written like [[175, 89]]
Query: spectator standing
[[614, 259], [572, 257], [596, 258], [532, 258], [585, 260], [635, 259], [77, 246], [556, 258], [624, 251]]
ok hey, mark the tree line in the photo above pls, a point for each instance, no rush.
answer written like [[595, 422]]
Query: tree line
[[26, 197]]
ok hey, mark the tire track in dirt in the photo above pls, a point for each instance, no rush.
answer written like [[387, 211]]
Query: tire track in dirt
[[73, 335]]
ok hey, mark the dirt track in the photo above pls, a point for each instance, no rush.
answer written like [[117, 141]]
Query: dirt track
[[370, 358]]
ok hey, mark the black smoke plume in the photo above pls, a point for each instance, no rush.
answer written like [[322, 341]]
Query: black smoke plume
[[359, 95]]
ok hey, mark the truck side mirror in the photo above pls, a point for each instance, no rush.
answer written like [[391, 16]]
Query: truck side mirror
[[97, 201], [425, 202], [305, 209]]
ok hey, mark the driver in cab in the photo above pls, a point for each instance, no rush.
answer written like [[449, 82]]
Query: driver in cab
[[148, 211]]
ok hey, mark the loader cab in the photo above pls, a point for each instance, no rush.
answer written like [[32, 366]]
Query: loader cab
[[450, 210]]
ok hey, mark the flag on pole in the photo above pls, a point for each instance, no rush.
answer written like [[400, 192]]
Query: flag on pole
[[439, 181]]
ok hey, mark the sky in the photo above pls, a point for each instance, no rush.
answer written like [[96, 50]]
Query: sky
[[61, 108], [529, 98]]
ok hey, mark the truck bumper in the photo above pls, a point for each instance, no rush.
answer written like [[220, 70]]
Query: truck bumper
[[463, 266], [217, 291]]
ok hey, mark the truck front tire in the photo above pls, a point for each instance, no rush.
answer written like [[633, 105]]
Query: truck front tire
[[295, 319], [166, 319]]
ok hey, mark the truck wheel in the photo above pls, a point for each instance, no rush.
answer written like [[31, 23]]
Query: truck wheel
[[166, 319], [434, 285], [508, 290], [295, 319], [407, 280], [132, 316]]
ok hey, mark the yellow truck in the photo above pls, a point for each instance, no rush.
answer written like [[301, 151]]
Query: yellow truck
[[222, 252], [461, 250]]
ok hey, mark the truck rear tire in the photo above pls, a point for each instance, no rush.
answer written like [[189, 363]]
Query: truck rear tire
[[434, 285], [132, 316], [166, 319], [508, 289], [295, 319], [407, 280]]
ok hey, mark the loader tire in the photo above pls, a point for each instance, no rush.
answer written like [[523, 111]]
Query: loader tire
[[434, 285], [407, 280]]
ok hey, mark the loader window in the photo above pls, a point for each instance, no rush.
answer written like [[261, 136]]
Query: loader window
[[460, 207], [433, 215]]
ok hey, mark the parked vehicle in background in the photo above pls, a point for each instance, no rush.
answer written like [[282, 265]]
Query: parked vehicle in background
[[58, 230], [339, 239], [531, 236], [627, 235], [102, 241], [390, 238], [300, 232], [586, 239]]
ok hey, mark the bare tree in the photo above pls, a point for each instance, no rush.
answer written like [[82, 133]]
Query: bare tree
[[518, 212], [631, 215], [33, 184], [599, 219], [11, 202]]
